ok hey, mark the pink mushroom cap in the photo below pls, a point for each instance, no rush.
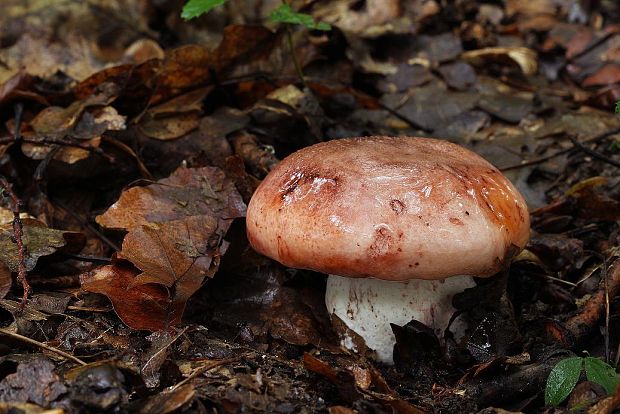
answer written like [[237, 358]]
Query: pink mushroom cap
[[390, 208]]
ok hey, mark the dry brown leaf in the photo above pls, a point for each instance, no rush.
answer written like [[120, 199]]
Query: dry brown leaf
[[193, 65], [74, 129], [176, 230], [145, 307], [177, 254], [18, 87], [175, 117], [169, 401], [608, 74], [170, 127], [187, 192]]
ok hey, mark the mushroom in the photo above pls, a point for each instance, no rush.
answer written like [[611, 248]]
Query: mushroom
[[400, 225]]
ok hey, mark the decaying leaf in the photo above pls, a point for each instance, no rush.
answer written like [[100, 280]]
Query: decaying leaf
[[146, 306], [177, 254], [175, 117], [176, 230], [521, 57], [34, 382], [39, 241], [79, 127], [187, 192]]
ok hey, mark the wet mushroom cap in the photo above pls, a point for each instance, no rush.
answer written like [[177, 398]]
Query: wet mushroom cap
[[390, 208]]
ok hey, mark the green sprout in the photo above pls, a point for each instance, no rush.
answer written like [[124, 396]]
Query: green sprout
[[282, 14]]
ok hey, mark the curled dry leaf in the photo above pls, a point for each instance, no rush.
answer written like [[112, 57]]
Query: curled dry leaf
[[524, 58], [192, 65], [141, 307], [187, 192], [176, 117], [176, 230], [81, 123], [177, 254]]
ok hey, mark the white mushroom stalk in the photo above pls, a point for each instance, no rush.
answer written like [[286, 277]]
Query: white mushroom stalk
[[395, 209], [368, 306]]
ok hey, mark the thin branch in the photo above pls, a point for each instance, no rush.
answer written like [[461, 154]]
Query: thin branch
[[594, 153], [207, 367], [41, 345], [18, 233], [561, 152], [86, 224]]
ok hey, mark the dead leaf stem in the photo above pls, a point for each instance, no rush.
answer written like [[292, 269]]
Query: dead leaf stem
[[41, 345], [561, 152], [593, 153], [582, 323]]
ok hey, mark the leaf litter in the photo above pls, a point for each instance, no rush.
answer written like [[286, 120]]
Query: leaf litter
[[134, 141]]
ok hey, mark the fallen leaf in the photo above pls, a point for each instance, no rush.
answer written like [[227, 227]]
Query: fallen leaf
[[34, 382], [145, 306], [175, 117], [187, 192], [608, 74], [177, 254], [38, 240], [176, 230], [193, 65], [521, 57], [169, 401]]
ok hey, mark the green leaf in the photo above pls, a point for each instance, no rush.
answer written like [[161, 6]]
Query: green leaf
[[285, 14], [194, 8], [601, 373], [562, 379], [618, 107]]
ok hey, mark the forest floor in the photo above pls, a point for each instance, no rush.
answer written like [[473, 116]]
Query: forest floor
[[131, 142]]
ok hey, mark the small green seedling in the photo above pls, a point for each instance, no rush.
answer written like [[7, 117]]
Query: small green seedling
[[565, 374], [618, 107], [195, 8], [282, 14]]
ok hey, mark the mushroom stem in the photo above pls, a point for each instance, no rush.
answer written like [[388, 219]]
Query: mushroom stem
[[368, 306]]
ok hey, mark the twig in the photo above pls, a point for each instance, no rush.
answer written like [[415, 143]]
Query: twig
[[147, 365], [124, 147], [505, 388], [87, 225], [588, 49], [560, 152], [206, 367], [41, 345], [18, 233], [87, 258], [65, 142], [582, 323], [593, 153], [604, 275], [256, 156]]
